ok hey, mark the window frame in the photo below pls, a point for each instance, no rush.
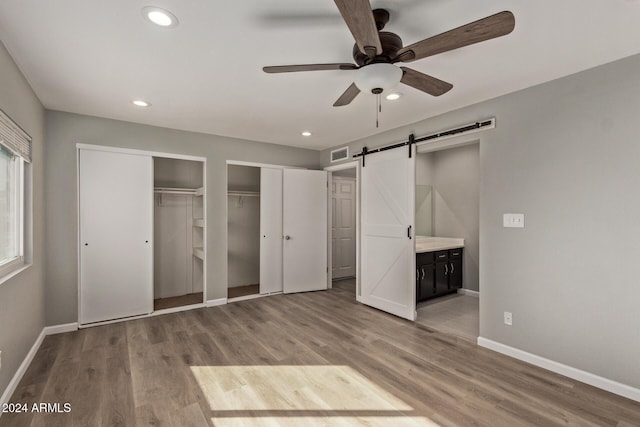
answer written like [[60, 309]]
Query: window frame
[[23, 207]]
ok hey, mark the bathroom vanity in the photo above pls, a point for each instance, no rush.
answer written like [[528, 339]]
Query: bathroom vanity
[[438, 266]]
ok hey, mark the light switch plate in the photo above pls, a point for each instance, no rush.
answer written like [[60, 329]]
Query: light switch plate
[[512, 220]]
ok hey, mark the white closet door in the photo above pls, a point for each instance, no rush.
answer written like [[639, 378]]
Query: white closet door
[[116, 230], [388, 254], [270, 230], [305, 229]]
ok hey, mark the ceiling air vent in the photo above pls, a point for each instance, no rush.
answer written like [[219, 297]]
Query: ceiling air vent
[[340, 154]]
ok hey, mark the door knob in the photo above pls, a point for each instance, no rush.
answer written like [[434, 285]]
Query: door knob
[[287, 237]]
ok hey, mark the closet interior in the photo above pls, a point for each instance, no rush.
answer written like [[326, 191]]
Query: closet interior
[[243, 231], [179, 230]]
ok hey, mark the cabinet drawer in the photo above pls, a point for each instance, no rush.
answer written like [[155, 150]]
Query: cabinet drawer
[[455, 253], [442, 256], [424, 258]]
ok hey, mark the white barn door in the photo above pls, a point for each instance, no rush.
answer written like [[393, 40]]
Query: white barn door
[[305, 230], [116, 232], [387, 223]]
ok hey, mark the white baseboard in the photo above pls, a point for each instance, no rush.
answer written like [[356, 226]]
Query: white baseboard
[[245, 297], [559, 368], [13, 384], [60, 329], [469, 292], [22, 369], [215, 302]]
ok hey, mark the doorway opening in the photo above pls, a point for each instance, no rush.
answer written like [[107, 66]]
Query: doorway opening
[[343, 237], [178, 222], [447, 239], [243, 231]]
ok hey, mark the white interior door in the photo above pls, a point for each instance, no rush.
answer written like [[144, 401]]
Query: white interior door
[[305, 230], [116, 230], [387, 251], [270, 230], [343, 227]]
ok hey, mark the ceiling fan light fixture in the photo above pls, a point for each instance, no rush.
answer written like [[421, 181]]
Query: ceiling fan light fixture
[[378, 76], [161, 17]]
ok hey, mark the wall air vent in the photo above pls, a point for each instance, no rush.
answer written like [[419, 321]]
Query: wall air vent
[[339, 154]]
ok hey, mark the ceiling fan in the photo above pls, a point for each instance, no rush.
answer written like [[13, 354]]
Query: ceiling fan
[[376, 51]]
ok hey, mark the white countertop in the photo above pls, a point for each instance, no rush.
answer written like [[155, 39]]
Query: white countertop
[[431, 244]]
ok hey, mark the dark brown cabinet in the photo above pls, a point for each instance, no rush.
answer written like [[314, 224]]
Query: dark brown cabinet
[[438, 273], [425, 287]]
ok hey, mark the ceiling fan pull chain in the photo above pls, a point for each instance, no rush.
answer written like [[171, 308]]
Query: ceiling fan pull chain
[[378, 109]]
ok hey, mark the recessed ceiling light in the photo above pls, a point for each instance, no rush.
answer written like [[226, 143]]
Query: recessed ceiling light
[[159, 16], [306, 133], [393, 96], [141, 103]]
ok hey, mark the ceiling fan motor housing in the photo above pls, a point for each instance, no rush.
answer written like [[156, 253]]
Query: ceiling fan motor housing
[[391, 44]]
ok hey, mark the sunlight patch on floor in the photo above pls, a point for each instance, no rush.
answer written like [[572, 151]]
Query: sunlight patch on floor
[[299, 395]]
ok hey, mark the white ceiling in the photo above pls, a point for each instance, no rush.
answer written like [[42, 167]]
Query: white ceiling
[[205, 75]]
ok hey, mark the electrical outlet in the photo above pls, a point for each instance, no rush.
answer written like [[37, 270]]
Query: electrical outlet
[[508, 318]]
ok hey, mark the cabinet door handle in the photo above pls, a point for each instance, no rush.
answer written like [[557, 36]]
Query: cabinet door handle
[[446, 269], [422, 272], [452, 268]]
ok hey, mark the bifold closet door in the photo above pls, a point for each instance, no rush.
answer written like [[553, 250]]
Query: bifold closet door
[[270, 230], [304, 220], [387, 224], [116, 231]]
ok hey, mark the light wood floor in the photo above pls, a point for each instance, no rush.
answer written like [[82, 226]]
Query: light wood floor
[[179, 301], [313, 359], [456, 314], [241, 291]]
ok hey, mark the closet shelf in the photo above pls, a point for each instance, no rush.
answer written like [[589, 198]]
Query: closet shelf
[[198, 222], [170, 190], [244, 193], [198, 253]]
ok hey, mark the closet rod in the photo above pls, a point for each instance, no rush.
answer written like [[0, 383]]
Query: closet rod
[[244, 193], [166, 190]]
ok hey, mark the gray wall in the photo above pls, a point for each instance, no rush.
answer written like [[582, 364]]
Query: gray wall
[[22, 297], [64, 130], [454, 175], [177, 173], [566, 154]]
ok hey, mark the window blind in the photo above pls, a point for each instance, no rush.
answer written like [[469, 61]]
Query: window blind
[[14, 138]]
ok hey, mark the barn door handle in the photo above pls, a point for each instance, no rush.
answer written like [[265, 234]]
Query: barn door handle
[[287, 237], [409, 232]]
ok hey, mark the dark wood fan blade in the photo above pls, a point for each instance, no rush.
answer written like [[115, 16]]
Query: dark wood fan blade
[[348, 96], [359, 18], [425, 83], [308, 67], [487, 28]]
